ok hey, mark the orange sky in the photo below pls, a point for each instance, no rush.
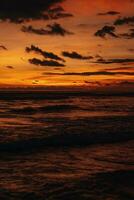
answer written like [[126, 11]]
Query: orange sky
[[17, 70]]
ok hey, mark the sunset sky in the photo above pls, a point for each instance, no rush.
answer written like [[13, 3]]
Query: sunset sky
[[66, 42]]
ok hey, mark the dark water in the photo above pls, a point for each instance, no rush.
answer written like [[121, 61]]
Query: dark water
[[64, 146]]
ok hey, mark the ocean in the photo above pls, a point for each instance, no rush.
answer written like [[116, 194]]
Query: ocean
[[66, 146]]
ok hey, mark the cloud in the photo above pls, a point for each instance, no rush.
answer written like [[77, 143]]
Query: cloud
[[111, 31], [49, 63], [24, 10], [126, 83], [51, 29], [10, 67], [129, 35], [99, 56], [31, 29], [131, 50], [45, 54], [53, 58], [120, 68], [123, 21], [75, 55], [115, 60], [35, 82], [97, 73], [57, 13], [109, 13], [106, 30], [3, 47], [93, 83]]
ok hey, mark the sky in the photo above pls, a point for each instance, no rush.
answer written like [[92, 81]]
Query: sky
[[66, 42]]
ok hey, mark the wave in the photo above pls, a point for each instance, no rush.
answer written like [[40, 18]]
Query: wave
[[114, 161], [64, 140], [102, 186], [50, 108], [51, 95]]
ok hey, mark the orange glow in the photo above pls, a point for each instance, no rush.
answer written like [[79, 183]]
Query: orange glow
[[84, 24]]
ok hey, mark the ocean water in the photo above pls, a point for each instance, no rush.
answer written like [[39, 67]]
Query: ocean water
[[66, 146]]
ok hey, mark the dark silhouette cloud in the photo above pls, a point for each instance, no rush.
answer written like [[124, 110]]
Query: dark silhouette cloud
[[24, 10], [123, 21], [57, 13], [10, 67], [31, 29], [106, 30], [51, 29], [126, 83], [97, 73], [109, 13], [120, 68], [129, 35], [45, 54], [115, 60], [75, 55], [49, 63], [110, 30], [93, 83], [3, 47], [131, 50], [98, 56]]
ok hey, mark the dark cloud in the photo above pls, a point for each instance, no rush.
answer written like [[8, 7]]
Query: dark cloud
[[100, 45], [24, 10], [131, 50], [106, 30], [75, 55], [98, 73], [3, 47], [57, 68], [31, 29], [109, 13], [51, 29], [93, 83], [125, 20], [98, 56], [127, 83], [115, 60], [120, 68], [57, 13], [49, 63], [10, 67], [129, 35], [45, 54]]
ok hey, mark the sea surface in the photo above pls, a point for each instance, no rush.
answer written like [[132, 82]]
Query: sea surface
[[66, 146]]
